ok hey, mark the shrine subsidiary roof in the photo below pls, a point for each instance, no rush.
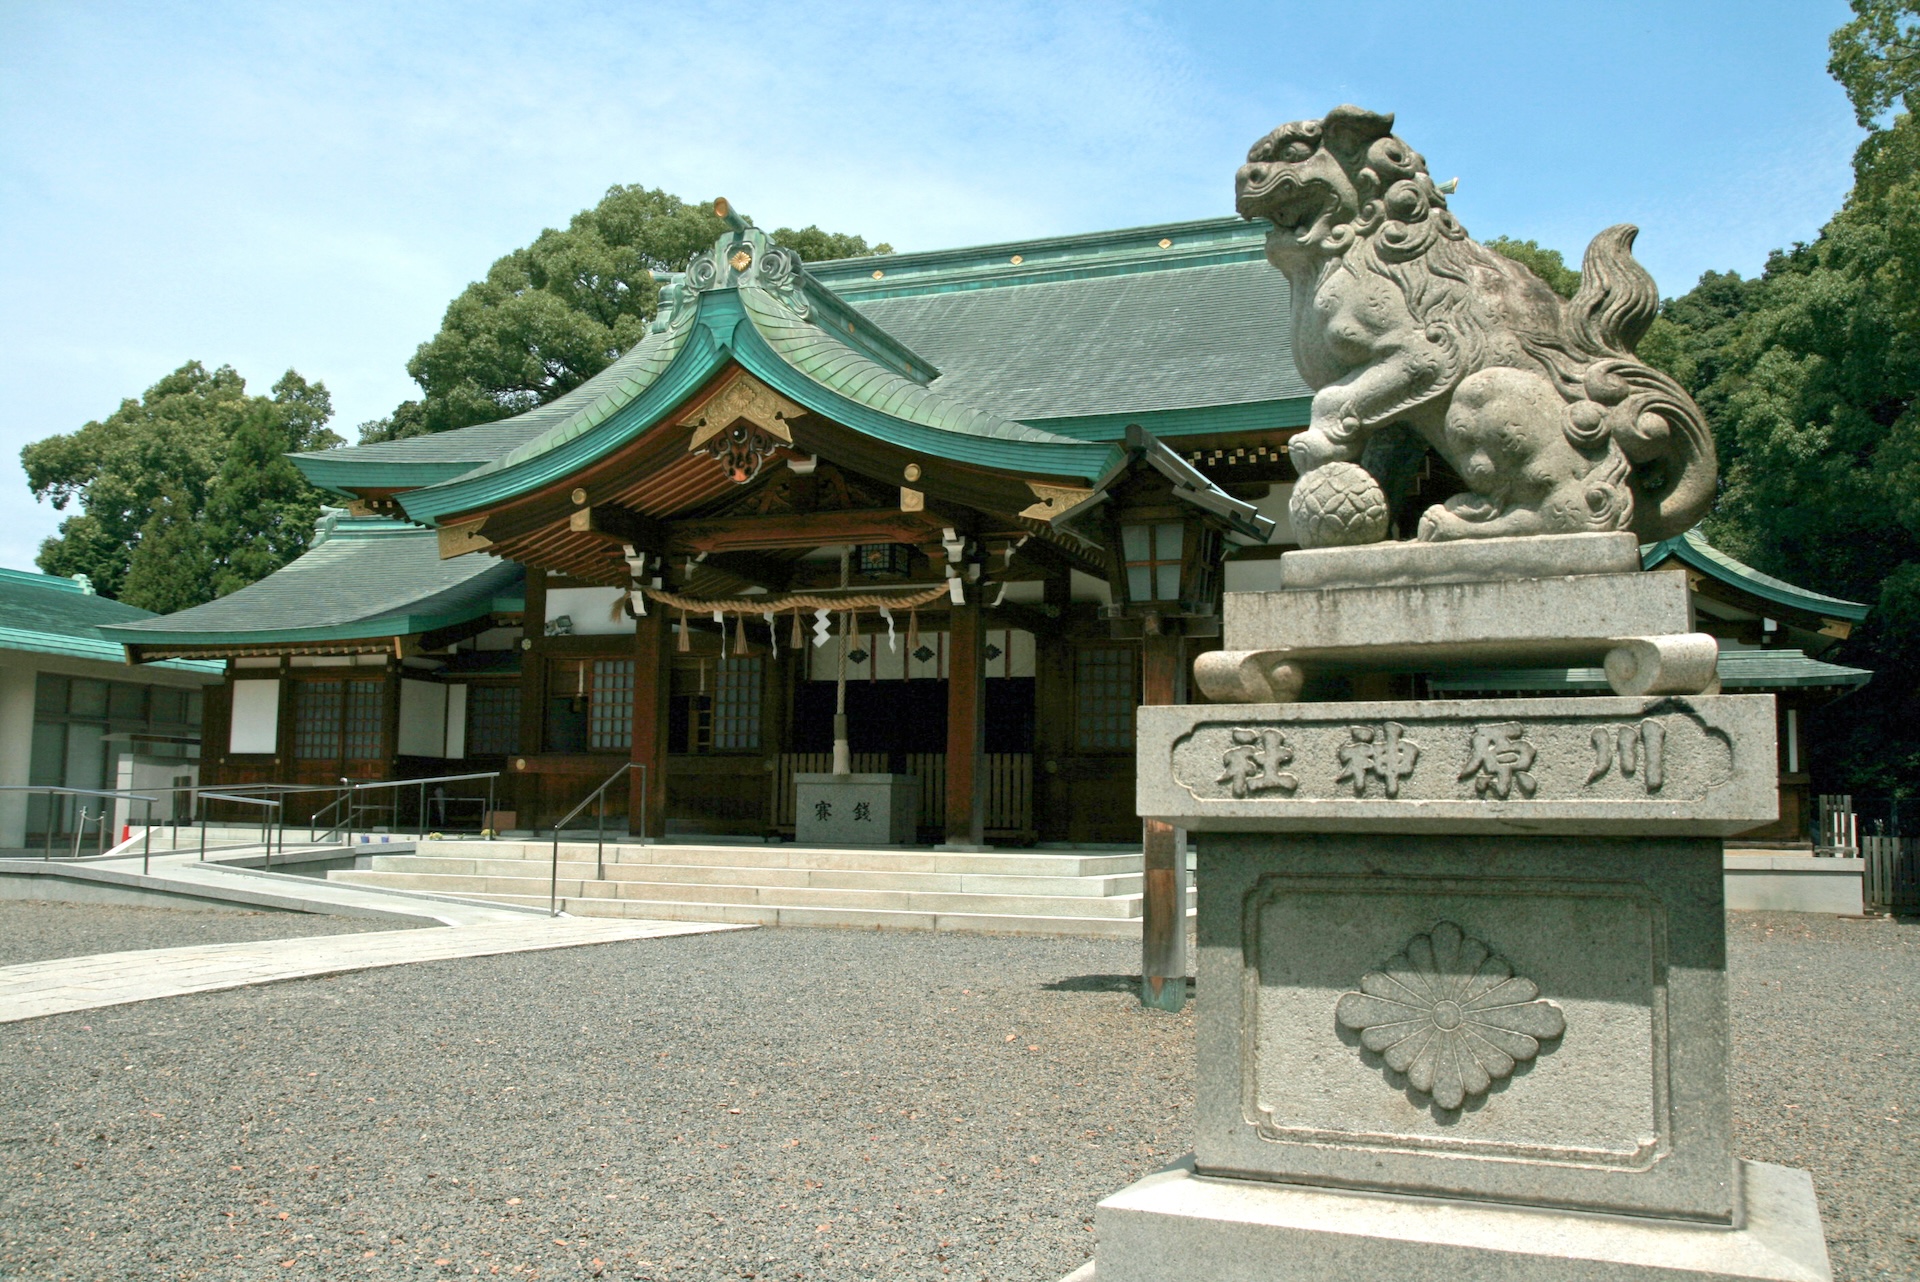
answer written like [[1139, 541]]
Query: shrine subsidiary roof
[[1031, 357], [47, 614], [1739, 670], [365, 577], [1692, 549]]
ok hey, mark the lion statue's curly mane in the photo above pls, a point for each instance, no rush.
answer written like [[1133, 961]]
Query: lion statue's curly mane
[[1401, 318]]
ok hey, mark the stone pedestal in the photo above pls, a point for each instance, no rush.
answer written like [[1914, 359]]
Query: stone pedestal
[[1462, 982], [1176, 1226], [856, 809]]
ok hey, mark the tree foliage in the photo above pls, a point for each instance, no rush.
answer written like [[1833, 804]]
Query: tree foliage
[[1808, 375], [184, 494], [549, 317], [1547, 264]]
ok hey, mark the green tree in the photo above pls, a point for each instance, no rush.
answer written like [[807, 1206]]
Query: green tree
[[185, 493], [1809, 376], [549, 317], [1547, 264]]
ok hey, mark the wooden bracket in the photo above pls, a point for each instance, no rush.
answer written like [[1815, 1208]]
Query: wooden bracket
[[619, 525], [461, 537]]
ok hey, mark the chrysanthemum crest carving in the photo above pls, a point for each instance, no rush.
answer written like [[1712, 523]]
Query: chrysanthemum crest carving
[[1450, 1014]]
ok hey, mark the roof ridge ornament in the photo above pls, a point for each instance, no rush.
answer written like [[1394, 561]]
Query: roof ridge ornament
[[742, 257]]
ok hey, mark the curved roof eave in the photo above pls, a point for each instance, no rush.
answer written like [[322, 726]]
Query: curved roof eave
[[753, 333], [1693, 549], [612, 420]]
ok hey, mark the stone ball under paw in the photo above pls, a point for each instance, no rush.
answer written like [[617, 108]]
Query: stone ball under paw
[[1338, 505]]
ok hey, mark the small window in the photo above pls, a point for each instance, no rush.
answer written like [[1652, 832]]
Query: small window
[[50, 695], [736, 705], [610, 708], [316, 720], [127, 702], [493, 720], [1105, 694], [169, 706], [365, 715], [88, 699], [1153, 560]]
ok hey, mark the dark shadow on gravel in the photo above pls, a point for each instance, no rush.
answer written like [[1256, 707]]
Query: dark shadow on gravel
[[1099, 984]]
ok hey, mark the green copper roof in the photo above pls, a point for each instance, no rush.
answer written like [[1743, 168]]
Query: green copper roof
[[1739, 670], [788, 332], [1085, 335], [829, 363], [1098, 331], [370, 577], [1693, 549], [45, 614]]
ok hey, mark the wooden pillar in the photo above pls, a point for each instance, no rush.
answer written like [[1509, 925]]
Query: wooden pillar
[[1053, 718], [966, 818], [652, 681], [395, 673], [525, 792], [1163, 937], [283, 732]]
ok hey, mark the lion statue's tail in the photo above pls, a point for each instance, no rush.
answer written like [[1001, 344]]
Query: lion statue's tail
[[1653, 420]]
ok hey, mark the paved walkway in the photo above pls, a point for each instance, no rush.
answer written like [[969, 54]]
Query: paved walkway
[[111, 979], [187, 874], [183, 873]]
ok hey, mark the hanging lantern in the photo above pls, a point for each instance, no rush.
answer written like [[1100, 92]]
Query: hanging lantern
[[883, 560], [1152, 552]]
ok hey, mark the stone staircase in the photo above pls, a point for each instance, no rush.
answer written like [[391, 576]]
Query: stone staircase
[[1094, 893]]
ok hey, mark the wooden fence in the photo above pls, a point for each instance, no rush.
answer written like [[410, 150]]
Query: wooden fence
[[1892, 874], [1839, 826], [1009, 782]]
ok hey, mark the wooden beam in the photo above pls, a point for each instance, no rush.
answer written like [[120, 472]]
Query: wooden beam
[[1056, 555], [754, 569], [618, 525], [798, 530], [1028, 618], [441, 638]]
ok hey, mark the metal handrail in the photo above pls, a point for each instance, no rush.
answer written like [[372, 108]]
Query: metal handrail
[[352, 790], [274, 812], [79, 831], [599, 830], [313, 820]]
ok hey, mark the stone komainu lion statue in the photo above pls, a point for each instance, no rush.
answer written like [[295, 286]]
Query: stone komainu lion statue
[[1400, 318]]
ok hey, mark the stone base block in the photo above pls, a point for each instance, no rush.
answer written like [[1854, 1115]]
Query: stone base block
[[1175, 1226], [856, 809], [1758, 881]]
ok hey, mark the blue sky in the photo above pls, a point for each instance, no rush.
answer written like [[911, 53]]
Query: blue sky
[[270, 186]]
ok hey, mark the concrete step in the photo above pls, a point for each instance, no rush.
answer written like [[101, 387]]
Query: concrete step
[[1015, 863], [864, 919], [1116, 905], [817, 878]]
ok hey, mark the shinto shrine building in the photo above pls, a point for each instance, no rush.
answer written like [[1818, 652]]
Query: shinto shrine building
[[1015, 479]]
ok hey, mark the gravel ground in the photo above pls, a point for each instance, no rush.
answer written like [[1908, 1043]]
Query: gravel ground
[[39, 930], [772, 1103], [1826, 1074]]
